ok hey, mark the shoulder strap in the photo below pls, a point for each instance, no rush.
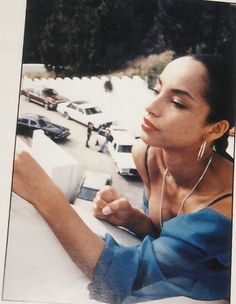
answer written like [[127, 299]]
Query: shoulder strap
[[219, 198], [146, 162]]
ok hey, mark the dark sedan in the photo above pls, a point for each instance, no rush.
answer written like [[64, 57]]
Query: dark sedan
[[30, 122]]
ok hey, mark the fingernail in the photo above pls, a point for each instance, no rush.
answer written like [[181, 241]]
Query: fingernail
[[106, 210]]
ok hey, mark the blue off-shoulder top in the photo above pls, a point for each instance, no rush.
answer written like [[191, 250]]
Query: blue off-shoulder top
[[191, 258]]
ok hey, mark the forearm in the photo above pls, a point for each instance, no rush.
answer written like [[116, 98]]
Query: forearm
[[83, 246], [33, 184], [141, 224]]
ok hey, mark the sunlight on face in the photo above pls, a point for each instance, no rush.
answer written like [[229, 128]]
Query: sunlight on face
[[177, 115]]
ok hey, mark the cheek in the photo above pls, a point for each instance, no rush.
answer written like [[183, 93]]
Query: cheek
[[186, 126]]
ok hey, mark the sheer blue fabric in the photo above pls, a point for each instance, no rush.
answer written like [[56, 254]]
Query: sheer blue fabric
[[190, 258]]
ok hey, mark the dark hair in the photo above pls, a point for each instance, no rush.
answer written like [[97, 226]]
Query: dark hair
[[220, 95]]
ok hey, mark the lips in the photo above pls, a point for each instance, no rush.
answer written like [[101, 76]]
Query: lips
[[148, 126]]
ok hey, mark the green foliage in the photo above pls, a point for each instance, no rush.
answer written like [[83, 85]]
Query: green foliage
[[192, 26], [148, 67], [93, 36], [90, 37]]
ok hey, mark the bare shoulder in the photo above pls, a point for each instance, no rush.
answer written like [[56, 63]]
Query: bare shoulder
[[224, 206], [138, 152], [223, 176]]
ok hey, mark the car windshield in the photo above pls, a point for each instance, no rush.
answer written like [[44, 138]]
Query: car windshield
[[87, 193], [49, 92], [93, 110], [43, 122], [124, 148]]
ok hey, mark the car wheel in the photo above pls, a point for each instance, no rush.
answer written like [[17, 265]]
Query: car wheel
[[46, 106], [66, 115]]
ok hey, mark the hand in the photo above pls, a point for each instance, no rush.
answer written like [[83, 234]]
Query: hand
[[30, 181], [110, 206]]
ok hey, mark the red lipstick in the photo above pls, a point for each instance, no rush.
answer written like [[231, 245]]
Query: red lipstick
[[148, 126]]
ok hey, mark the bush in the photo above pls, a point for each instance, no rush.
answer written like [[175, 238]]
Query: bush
[[147, 67]]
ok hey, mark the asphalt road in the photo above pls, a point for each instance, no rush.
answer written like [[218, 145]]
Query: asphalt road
[[88, 158]]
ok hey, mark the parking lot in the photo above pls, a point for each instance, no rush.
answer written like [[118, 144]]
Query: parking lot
[[88, 158]]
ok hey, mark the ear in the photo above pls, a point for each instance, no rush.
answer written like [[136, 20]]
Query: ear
[[216, 130]]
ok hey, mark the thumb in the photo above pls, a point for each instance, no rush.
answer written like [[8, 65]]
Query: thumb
[[121, 204]]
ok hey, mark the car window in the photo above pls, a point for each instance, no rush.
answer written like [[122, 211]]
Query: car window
[[81, 110], [102, 133], [87, 193], [93, 110], [24, 120], [33, 123], [49, 92], [124, 148], [74, 107], [44, 93], [42, 123]]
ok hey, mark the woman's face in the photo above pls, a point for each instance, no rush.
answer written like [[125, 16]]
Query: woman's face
[[177, 115]]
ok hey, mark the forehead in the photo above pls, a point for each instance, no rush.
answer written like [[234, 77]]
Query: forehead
[[185, 73]]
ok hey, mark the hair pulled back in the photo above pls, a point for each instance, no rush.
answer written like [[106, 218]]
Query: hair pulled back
[[220, 95]]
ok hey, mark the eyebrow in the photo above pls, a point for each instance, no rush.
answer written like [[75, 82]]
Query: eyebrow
[[178, 91]]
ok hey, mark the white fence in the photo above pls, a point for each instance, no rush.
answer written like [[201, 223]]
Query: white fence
[[125, 103]]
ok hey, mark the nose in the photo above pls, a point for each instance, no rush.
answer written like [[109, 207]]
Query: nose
[[155, 107]]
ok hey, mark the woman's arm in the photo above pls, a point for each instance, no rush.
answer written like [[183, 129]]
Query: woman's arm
[[33, 184]]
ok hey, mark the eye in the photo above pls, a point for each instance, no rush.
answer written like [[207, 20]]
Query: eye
[[178, 104], [155, 90]]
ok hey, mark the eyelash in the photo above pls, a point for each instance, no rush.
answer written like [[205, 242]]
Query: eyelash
[[176, 104], [155, 91]]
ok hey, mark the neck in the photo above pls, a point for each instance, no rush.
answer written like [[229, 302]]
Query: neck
[[183, 166]]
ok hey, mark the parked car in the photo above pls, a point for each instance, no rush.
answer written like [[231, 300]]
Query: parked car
[[30, 122], [120, 147], [45, 96], [93, 182], [84, 112]]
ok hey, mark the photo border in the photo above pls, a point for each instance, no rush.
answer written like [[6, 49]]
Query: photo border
[[12, 16]]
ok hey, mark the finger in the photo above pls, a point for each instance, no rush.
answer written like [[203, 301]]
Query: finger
[[100, 216], [97, 212], [99, 202], [108, 193], [122, 204]]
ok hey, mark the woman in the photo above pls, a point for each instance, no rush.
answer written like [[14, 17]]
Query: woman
[[188, 186]]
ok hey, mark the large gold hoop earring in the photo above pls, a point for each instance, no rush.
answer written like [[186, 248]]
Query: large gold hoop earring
[[201, 150]]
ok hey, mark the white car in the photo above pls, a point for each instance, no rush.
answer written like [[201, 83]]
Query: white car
[[93, 182], [120, 147], [84, 112]]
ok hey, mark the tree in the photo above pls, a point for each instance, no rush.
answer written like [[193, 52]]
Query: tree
[[95, 35], [191, 26], [99, 36], [37, 13]]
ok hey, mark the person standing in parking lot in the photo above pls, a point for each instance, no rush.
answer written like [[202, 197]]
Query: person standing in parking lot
[[89, 133], [108, 137]]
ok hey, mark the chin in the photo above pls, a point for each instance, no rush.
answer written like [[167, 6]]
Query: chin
[[150, 140]]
